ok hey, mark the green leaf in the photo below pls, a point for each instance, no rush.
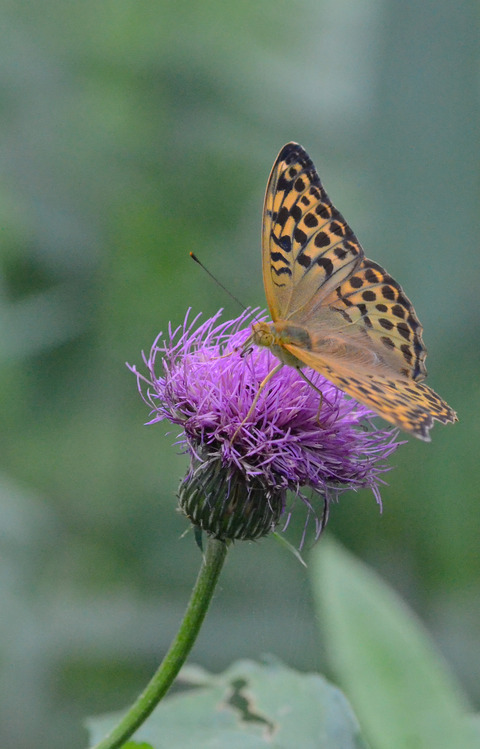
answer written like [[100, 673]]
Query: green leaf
[[250, 706], [400, 686], [474, 721]]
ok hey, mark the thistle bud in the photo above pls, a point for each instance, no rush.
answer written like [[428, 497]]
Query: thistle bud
[[228, 505]]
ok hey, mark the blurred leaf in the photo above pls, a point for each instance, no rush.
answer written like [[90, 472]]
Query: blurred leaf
[[401, 687], [474, 722], [250, 705]]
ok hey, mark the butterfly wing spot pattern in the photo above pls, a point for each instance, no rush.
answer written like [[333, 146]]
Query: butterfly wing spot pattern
[[333, 309]]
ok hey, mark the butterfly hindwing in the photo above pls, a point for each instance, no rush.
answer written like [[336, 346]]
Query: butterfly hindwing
[[409, 405]]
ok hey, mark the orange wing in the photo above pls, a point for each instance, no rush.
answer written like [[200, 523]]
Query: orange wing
[[307, 247], [359, 328], [409, 405]]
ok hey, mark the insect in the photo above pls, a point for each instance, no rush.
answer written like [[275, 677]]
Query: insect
[[333, 309]]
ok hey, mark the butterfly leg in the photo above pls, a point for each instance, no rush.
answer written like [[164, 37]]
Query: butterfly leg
[[320, 404], [242, 350], [224, 356], [264, 382]]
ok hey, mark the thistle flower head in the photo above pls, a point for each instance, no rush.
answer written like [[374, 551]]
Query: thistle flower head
[[239, 474]]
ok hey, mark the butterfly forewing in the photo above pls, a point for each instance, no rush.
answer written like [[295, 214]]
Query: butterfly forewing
[[359, 329], [308, 248]]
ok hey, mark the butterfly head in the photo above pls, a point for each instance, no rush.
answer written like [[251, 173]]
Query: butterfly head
[[275, 335], [263, 334]]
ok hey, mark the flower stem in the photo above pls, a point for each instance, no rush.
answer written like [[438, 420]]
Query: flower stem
[[162, 680]]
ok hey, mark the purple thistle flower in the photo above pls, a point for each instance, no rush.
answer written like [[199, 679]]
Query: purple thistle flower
[[239, 474]]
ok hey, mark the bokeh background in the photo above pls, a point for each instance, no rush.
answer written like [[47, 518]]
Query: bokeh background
[[132, 133]]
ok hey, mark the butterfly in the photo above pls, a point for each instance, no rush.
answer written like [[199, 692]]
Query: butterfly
[[333, 309]]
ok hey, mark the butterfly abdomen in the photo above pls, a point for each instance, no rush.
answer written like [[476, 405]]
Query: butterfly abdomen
[[297, 335]]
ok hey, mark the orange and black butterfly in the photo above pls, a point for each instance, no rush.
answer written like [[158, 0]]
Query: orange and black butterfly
[[333, 309]]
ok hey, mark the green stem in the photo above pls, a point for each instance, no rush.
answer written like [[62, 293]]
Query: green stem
[[179, 649]]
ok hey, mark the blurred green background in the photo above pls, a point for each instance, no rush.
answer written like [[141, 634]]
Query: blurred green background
[[132, 133]]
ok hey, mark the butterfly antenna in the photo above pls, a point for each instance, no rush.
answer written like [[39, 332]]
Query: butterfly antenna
[[227, 291]]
